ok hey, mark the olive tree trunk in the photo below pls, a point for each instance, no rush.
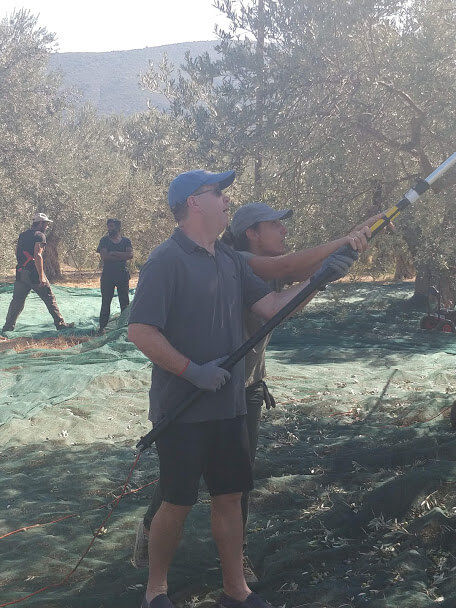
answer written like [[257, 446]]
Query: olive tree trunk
[[51, 257]]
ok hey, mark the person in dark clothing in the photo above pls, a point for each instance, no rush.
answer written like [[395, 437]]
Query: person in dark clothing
[[114, 250], [257, 232], [30, 274]]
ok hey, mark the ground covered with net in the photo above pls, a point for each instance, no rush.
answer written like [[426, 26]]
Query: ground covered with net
[[355, 499]]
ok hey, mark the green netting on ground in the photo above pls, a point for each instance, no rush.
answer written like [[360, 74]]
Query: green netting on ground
[[81, 305], [355, 500], [30, 381]]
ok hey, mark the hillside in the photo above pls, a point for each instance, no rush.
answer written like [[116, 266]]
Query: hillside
[[110, 81]]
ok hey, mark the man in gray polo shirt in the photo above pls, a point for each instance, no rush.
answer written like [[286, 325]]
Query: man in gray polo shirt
[[187, 317], [257, 232]]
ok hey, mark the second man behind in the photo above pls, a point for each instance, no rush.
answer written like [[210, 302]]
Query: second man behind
[[114, 250]]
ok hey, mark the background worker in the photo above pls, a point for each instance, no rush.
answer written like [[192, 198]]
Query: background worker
[[186, 317], [30, 274], [114, 250], [257, 232]]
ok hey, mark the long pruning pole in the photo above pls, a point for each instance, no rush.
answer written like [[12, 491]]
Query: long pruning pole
[[413, 194], [314, 285]]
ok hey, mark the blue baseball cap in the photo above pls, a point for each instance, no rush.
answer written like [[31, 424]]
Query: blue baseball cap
[[185, 184], [253, 213]]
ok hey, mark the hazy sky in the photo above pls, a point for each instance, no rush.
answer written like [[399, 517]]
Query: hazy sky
[[98, 25]]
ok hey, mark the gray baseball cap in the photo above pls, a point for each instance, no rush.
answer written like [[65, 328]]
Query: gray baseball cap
[[252, 213]]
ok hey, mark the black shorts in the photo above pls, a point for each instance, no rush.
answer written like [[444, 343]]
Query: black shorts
[[218, 450]]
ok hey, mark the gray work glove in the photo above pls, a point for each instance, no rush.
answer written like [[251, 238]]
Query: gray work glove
[[208, 376], [339, 263]]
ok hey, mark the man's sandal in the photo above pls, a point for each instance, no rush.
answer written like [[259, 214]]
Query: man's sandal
[[160, 601], [251, 601]]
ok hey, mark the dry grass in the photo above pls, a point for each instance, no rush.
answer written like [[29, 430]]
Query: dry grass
[[86, 278], [91, 278], [74, 278], [57, 343]]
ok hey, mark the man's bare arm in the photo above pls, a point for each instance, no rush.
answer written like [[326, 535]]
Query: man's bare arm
[[302, 264], [292, 267], [106, 255], [333, 268], [122, 255], [39, 264], [115, 256], [270, 305], [152, 343]]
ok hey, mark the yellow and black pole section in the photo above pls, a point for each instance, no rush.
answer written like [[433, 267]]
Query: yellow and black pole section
[[314, 285], [413, 194]]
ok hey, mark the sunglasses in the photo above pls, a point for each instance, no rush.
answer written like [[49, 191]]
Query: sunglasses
[[216, 191]]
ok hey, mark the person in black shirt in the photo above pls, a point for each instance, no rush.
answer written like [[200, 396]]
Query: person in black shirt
[[114, 250], [30, 274]]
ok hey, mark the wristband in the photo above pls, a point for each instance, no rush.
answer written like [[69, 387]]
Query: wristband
[[184, 368]]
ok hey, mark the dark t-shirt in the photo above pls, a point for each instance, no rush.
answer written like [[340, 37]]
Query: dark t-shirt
[[114, 268], [25, 250], [196, 300]]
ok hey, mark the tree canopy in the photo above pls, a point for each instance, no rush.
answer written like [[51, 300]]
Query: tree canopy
[[333, 108]]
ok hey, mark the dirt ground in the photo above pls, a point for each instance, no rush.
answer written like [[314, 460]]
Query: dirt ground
[[71, 277], [58, 343], [75, 278]]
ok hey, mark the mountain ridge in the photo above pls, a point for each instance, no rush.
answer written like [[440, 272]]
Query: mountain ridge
[[110, 80]]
